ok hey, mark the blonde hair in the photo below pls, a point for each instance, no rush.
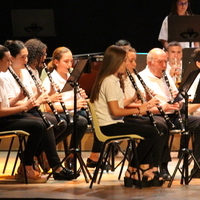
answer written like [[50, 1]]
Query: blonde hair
[[57, 55]]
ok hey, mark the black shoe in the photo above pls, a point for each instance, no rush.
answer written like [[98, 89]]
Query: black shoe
[[165, 174], [69, 163], [196, 174], [90, 163], [65, 174]]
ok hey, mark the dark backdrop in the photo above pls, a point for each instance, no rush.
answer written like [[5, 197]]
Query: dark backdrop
[[87, 26]]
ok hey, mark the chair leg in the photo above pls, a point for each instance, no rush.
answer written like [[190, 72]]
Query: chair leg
[[18, 154], [125, 158], [111, 161], [96, 171], [105, 159], [21, 142], [171, 142], [8, 155], [136, 160], [15, 163]]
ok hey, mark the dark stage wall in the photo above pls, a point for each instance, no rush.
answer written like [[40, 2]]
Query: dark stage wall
[[87, 26]]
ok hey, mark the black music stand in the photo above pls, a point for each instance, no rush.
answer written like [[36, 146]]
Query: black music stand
[[186, 152], [184, 28], [72, 83]]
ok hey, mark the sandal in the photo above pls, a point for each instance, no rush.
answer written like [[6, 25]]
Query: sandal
[[32, 176], [36, 166], [146, 179], [156, 181], [43, 161], [130, 181], [20, 178]]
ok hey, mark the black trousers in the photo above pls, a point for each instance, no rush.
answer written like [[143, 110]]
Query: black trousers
[[160, 152], [193, 128], [34, 126], [60, 133], [48, 143], [145, 147], [81, 127]]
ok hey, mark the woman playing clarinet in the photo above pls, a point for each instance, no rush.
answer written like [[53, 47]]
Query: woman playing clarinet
[[61, 63], [108, 98], [131, 84], [19, 55]]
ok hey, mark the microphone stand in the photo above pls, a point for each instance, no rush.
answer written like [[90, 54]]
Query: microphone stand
[[75, 150], [185, 152]]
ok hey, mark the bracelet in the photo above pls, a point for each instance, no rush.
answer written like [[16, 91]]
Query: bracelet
[[138, 111]]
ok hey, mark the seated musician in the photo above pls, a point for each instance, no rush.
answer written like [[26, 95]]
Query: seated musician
[[61, 63], [165, 90]]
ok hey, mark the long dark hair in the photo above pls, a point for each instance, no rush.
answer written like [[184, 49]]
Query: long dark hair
[[113, 58], [35, 51], [14, 46], [174, 8]]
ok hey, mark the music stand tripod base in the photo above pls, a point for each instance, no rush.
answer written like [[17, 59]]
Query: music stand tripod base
[[185, 153]]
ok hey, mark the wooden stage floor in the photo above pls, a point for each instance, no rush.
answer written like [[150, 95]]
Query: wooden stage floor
[[109, 188]]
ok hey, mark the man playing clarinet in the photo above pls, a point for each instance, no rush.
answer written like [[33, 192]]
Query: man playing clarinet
[[165, 89]]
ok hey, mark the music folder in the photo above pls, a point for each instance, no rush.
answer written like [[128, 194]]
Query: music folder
[[75, 75], [185, 86]]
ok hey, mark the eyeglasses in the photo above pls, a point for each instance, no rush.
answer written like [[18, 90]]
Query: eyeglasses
[[182, 4]]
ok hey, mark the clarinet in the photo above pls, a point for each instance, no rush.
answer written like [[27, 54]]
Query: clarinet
[[69, 118], [86, 108], [171, 101], [46, 121], [147, 90], [49, 102], [140, 96]]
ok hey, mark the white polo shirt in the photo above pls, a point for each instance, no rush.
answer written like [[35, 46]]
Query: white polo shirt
[[158, 85], [68, 97], [3, 94], [129, 90], [110, 91]]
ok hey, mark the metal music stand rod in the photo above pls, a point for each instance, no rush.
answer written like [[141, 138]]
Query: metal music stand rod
[[186, 152], [72, 83]]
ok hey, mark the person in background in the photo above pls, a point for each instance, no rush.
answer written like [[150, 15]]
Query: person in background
[[181, 8], [194, 109], [123, 43], [174, 64]]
